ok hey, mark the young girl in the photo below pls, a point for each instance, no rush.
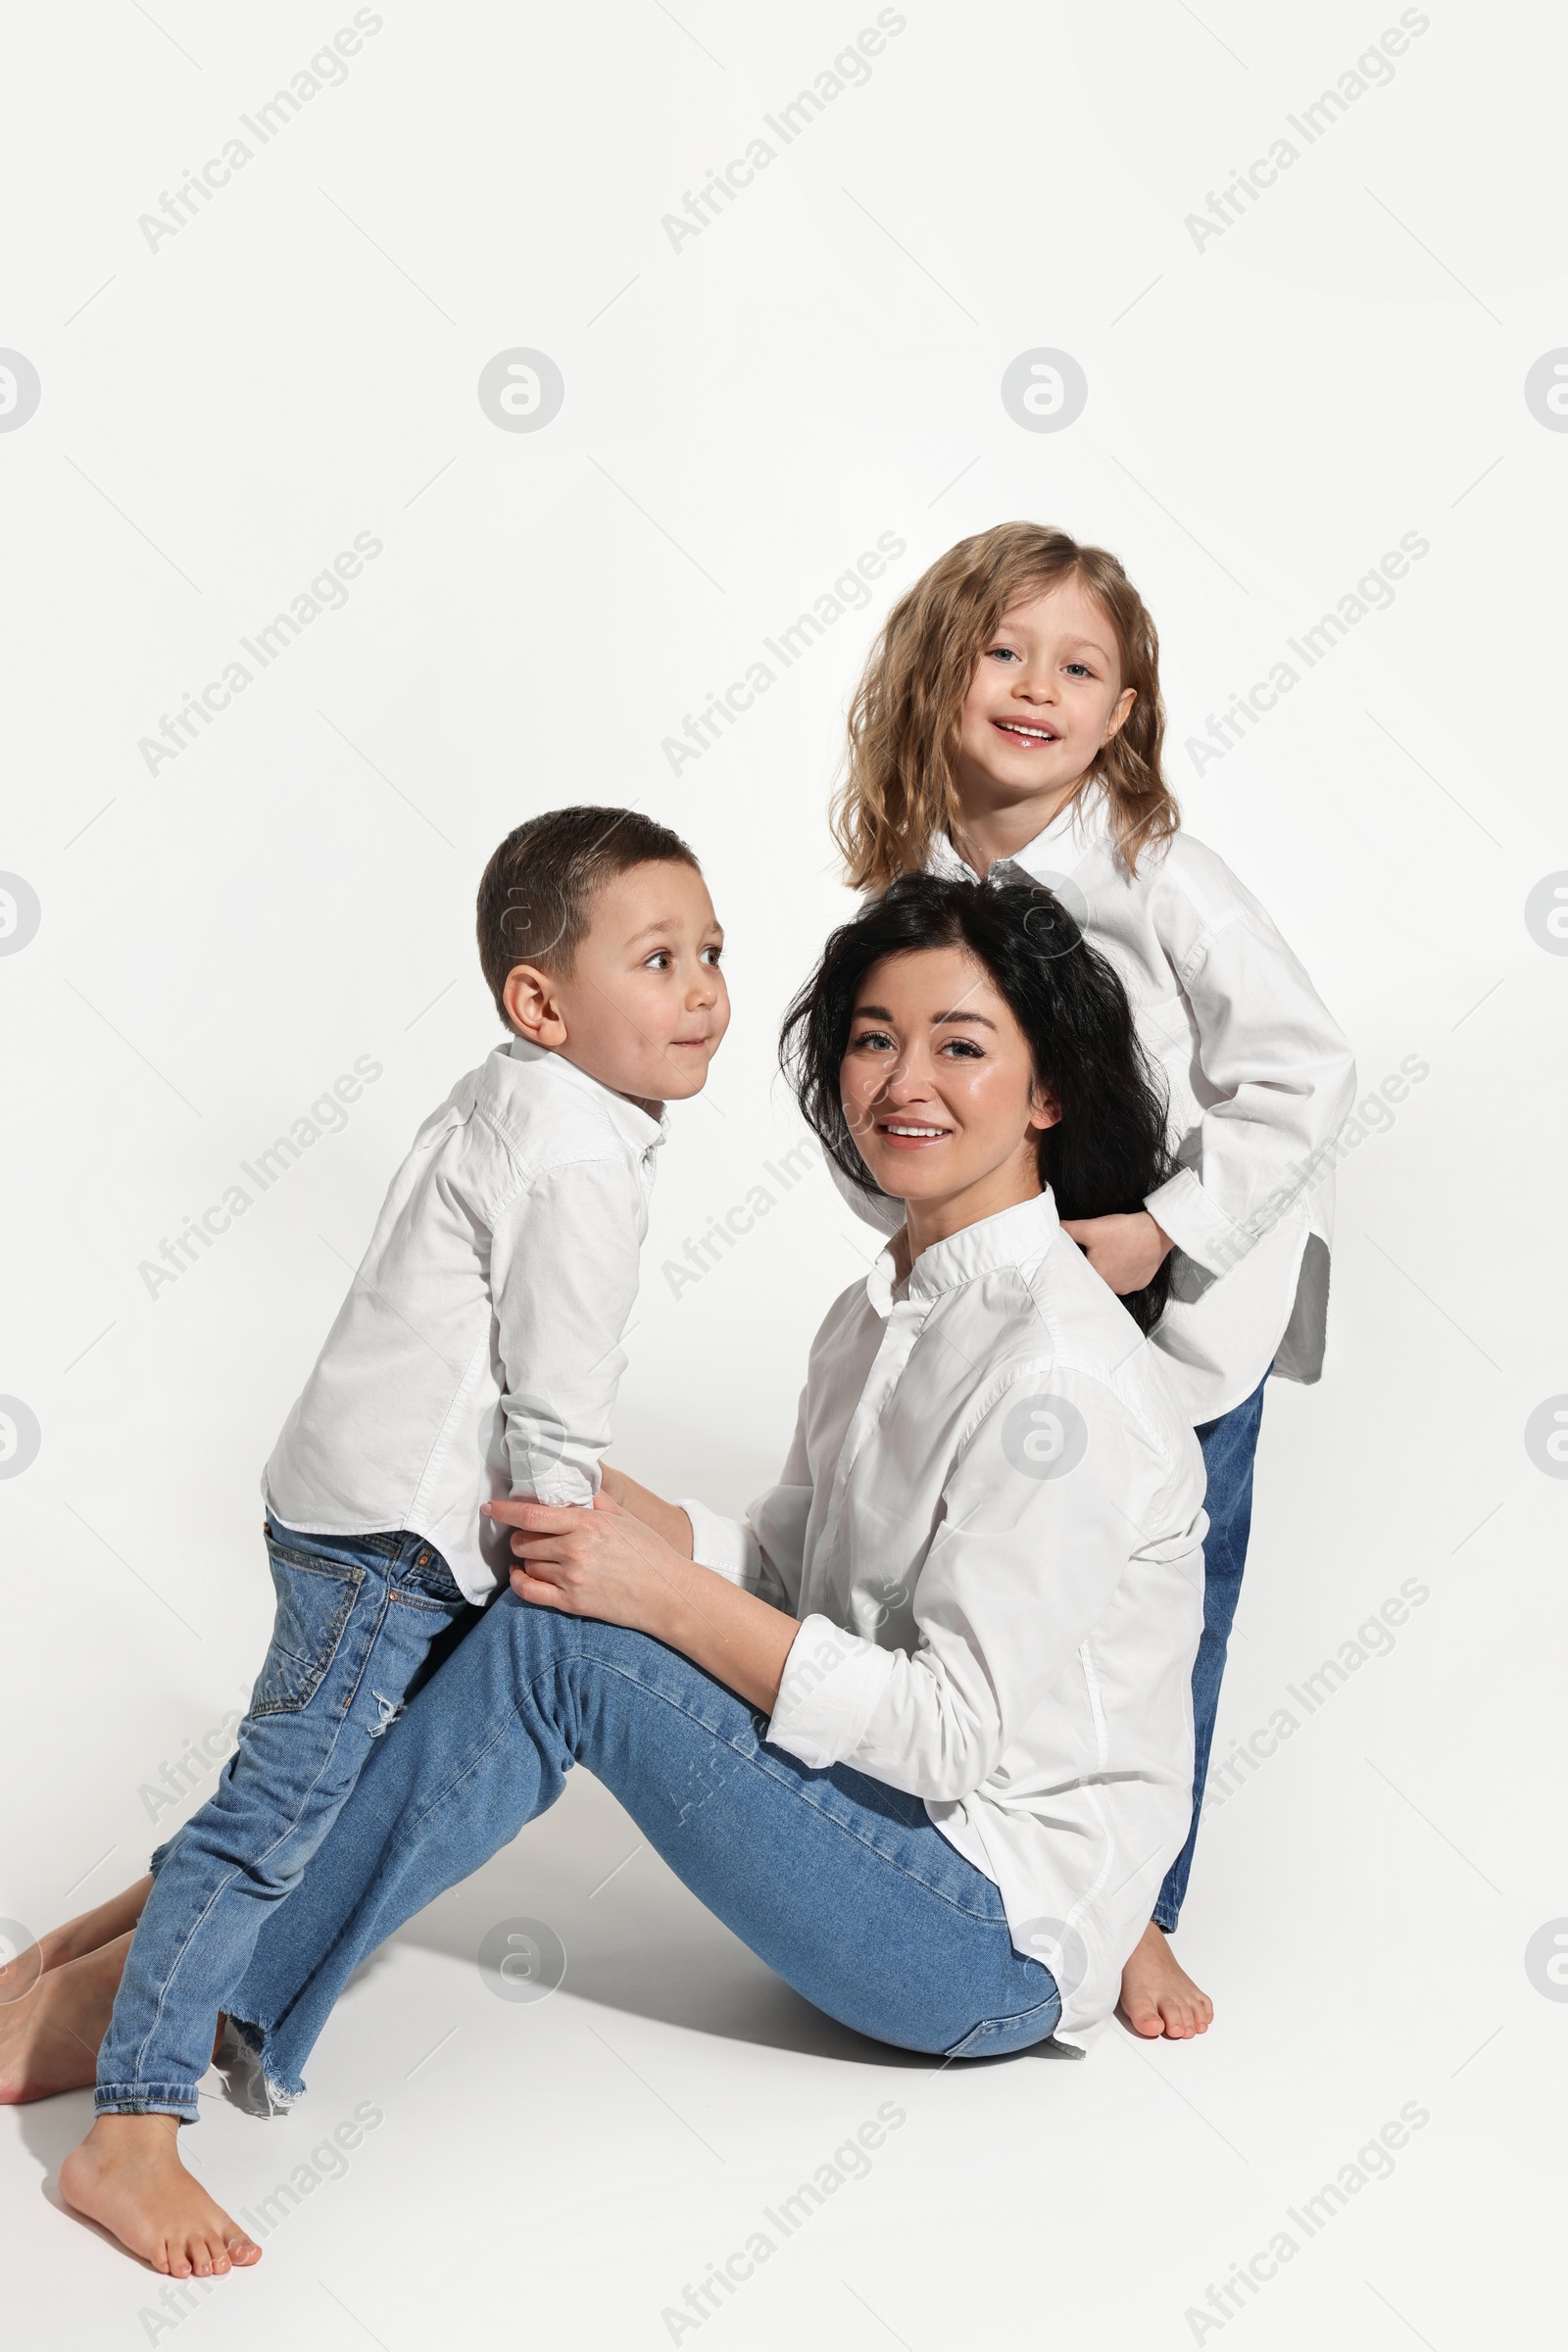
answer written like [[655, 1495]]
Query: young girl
[[1008, 725]]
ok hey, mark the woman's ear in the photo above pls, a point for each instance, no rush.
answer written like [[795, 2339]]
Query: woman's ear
[[533, 1006], [1043, 1109]]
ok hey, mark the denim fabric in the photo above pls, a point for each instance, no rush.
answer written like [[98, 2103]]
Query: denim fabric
[[1229, 1446], [356, 1616], [843, 1886]]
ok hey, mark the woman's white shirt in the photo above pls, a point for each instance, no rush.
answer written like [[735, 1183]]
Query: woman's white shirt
[[1259, 1081], [990, 1525]]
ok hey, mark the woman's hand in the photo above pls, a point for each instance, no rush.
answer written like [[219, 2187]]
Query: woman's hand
[[1126, 1252], [602, 1562], [607, 1564], [667, 1519]]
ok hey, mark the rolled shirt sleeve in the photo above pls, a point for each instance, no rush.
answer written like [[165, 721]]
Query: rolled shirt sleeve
[[1278, 1069], [563, 1277], [1033, 1541]]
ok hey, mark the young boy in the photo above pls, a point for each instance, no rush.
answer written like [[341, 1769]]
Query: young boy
[[475, 1357]]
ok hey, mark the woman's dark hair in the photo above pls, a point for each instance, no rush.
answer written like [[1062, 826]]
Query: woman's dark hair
[[1107, 1150]]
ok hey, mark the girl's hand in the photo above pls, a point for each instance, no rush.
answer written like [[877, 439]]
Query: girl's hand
[[1126, 1252], [591, 1563]]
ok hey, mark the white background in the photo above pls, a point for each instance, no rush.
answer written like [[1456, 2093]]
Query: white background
[[1268, 413]]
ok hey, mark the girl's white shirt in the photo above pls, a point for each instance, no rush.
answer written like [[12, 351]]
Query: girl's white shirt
[[1259, 1081], [991, 1526]]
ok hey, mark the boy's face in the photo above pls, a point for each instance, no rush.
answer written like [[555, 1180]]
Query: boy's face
[[644, 1005]]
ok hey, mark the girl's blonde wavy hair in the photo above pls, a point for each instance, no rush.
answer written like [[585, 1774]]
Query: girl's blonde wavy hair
[[900, 785]]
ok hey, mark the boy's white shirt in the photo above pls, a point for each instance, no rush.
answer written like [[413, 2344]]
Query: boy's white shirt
[[478, 1354], [1260, 1080], [990, 1525]]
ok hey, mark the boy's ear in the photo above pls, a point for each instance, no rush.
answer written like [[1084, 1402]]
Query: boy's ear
[[533, 1006]]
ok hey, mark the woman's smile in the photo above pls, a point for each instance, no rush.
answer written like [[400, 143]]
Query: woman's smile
[[908, 1135]]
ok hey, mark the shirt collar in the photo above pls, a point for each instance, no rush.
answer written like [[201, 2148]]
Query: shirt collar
[[629, 1119], [1070, 833], [1013, 1237]]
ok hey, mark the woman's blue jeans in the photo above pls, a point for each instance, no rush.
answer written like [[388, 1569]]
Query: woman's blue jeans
[[1229, 1446], [843, 1886]]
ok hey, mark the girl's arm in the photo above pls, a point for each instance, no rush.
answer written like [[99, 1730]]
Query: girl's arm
[[610, 1564], [1279, 1066]]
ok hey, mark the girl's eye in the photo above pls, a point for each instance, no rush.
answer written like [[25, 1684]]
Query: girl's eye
[[1001, 652], [1079, 670], [875, 1040]]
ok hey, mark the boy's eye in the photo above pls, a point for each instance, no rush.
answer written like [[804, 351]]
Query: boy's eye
[[660, 961], [711, 954]]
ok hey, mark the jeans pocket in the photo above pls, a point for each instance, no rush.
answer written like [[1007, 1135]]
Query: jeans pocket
[[427, 1583], [315, 1598]]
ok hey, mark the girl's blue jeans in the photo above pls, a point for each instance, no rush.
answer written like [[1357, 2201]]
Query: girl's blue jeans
[[843, 1886], [1229, 1446], [356, 1617]]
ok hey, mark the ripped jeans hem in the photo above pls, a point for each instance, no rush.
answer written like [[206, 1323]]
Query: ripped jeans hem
[[242, 2060]]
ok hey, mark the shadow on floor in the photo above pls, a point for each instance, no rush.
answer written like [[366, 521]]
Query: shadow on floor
[[639, 1942]]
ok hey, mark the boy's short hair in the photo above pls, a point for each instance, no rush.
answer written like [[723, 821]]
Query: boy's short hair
[[536, 894]]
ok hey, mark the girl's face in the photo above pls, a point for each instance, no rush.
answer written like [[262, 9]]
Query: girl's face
[[939, 1090], [1045, 697]]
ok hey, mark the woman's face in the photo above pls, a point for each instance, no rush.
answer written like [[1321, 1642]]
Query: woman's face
[[938, 1087]]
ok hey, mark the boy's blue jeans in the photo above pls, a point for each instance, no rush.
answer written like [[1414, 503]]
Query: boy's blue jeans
[[843, 1886], [1229, 1446], [356, 1616]]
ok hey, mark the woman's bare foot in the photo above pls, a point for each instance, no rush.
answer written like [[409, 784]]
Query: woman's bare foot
[[128, 2177], [1158, 1997], [49, 2036], [88, 1933]]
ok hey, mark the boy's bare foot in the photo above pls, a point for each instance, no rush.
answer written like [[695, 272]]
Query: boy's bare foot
[[1158, 1997], [88, 1933], [49, 2036], [128, 2177]]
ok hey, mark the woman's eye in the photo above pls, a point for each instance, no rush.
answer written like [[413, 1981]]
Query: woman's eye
[[962, 1048], [875, 1040]]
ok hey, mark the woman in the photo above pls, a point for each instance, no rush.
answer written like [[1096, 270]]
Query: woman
[[938, 1678]]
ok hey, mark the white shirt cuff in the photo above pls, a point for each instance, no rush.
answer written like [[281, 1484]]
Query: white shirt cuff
[[832, 1682], [1197, 1224], [726, 1546]]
